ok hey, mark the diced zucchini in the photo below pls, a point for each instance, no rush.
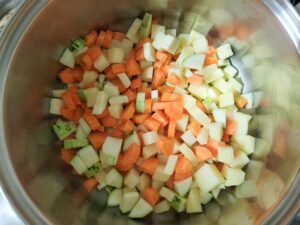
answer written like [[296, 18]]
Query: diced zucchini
[[91, 94], [94, 169], [115, 197], [103, 161], [101, 81], [80, 133], [160, 175], [85, 126], [78, 52], [124, 79], [202, 138], [111, 149], [115, 55], [188, 138], [114, 178], [101, 63], [216, 131], [132, 178], [111, 90], [170, 165], [78, 165], [115, 111], [208, 177], [140, 102], [141, 209], [224, 51], [63, 129], [146, 25], [100, 175], [178, 203], [233, 176], [147, 74], [55, 106], [193, 204], [82, 95], [100, 103], [195, 61], [188, 153], [127, 45], [116, 100], [88, 156], [226, 155], [162, 206], [133, 138], [182, 123], [67, 58], [109, 189], [129, 200], [144, 181], [76, 143], [132, 33], [182, 187], [78, 44], [149, 52]]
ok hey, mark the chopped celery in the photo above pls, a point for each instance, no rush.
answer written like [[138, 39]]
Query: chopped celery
[[78, 44], [91, 171], [76, 143], [178, 203], [146, 25], [109, 189], [82, 95], [63, 129]]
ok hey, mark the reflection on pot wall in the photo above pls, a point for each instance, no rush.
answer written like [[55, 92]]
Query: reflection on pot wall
[[267, 64]]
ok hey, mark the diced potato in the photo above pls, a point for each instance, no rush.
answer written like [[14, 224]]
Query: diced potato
[[132, 178], [188, 138], [233, 176]]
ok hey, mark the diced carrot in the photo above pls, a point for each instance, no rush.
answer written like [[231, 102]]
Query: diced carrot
[[170, 97], [196, 79], [161, 56], [161, 130], [77, 73], [173, 79], [183, 169], [151, 124], [73, 92], [175, 57], [118, 36], [178, 134], [165, 69], [209, 60], [136, 83], [158, 64], [148, 105], [72, 115], [117, 133], [241, 31], [145, 90], [68, 100], [161, 117], [92, 120], [97, 139], [127, 159], [100, 38], [170, 182], [133, 68], [120, 85], [172, 128], [163, 89], [109, 121], [213, 146], [86, 62], [225, 138], [200, 105], [241, 102], [91, 38], [67, 155], [155, 21], [194, 127], [128, 112], [131, 94], [107, 39], [109, 75], [131, 54], [66, 76], [169, 59], [140, 118], [226, 30], [105, 113], [202, 153], [94, 52], [126, 126], [151, 196], [211, 51], [165, 145], [149, 165], [159, 106], [89, 184], [141, 43], [174, 110], [90, 85], [139, 55], [118, 68], [230, 127], [158, 78]]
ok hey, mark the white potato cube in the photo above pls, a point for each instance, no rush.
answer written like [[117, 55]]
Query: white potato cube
[[101, 63], [188, 153], [150, 137], [246, 143], [226, 100], [182, 187], [149, 52], [200, 44], [195, 62], [226, 155], [170, 165], [188, 138], [147, 74], [182, 123], [220, 116], [149, 151], [224, 51], [116, 100], [115, 55], [202, 138], [124, 79], [216, 131], [233, 176], [132, 178], [115, 111]]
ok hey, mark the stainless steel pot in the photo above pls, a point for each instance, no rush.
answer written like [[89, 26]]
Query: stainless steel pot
[[41, 187]]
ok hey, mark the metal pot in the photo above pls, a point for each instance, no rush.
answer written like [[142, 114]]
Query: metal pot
[[41, 188]]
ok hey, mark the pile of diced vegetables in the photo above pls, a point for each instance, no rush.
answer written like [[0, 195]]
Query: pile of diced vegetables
[[152, 117]]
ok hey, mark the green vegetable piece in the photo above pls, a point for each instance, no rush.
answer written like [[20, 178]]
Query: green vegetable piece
[[78, 43], [146, 25], [207, 101], [178, 203], [93, 170], [76, 143], [109, 189], [140, 102], [63, 129], [82, 95]]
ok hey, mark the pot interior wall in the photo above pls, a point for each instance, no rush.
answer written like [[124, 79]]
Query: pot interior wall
[[269, 65]]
